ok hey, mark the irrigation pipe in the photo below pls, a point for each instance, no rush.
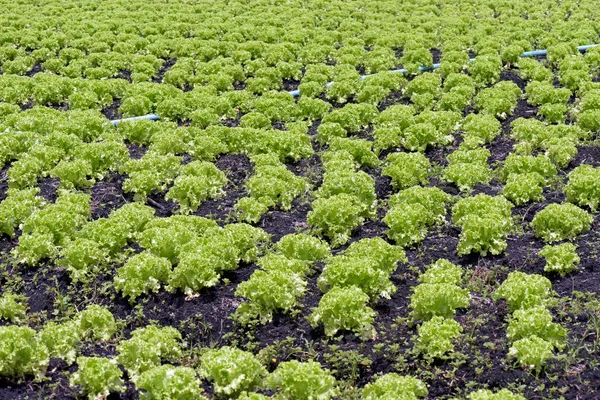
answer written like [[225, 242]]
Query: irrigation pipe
[[152, 117], [533, 53], [296, 92]]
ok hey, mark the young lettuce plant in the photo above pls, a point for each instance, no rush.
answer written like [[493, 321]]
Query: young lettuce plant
[[560, 259], [522, 291], [142, 274], [98, 377], [302, 246], [13, 307], [523, 188], [468, 167], [169, 382], [486, 394], [407, 169], [536, 321], [17, 207], [147, 347], [485, 223], [302, 381], [583, 187], [97, 323], [344, 308], [232, 370], [199, 181], [268, 292], [62, 340], [394, 386], [532, 352], [439, 293], [412, 212], [361, 271], [336, 217], [436, 336], [82, 258], [22, 353], [561, 221]]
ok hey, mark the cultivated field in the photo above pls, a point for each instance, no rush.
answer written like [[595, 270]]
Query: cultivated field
[[374, 200]]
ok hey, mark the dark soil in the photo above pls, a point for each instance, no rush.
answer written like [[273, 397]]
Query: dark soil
[[112, 112], [37, 67], [4, 181], [167, 65], [48, 188]]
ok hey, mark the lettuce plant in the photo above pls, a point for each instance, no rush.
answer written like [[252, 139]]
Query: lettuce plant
[[485, 223], [344, 308], [442, 271], [531, 352], [437, 299], [486, 394], [147, 347], [499, 100], [360, 149], [81, 258], [392, 385], [250, 209], [62, 340], [363, 272], [436, 336], [232, 370], [141, 274], [16, 207], [412, 212], [73, 174], [166, 242], [268, 292], [275, 185], [407, 169], [275, 261], [536, 321], [13, 307], [523, 188], [384, 254], [336, 217], [522, 291], [480, 128], [485, 69], [561, 258], [151, 172], [520, 164], [97, 322], [303, 247], [583, 187], [561, 221], [98, 377], [22, 353], [199, 181], [195, 272], [438, 294], [468, 167], [359, 184], [302, 381]]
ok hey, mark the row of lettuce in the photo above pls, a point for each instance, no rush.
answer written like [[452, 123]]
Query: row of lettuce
[[443, 89], [148, 354]]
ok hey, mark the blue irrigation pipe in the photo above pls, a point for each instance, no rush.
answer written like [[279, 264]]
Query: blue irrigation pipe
[[533, 53], [152, 117], [296, 92]]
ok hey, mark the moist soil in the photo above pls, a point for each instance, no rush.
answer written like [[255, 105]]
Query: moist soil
[[205, 320]]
